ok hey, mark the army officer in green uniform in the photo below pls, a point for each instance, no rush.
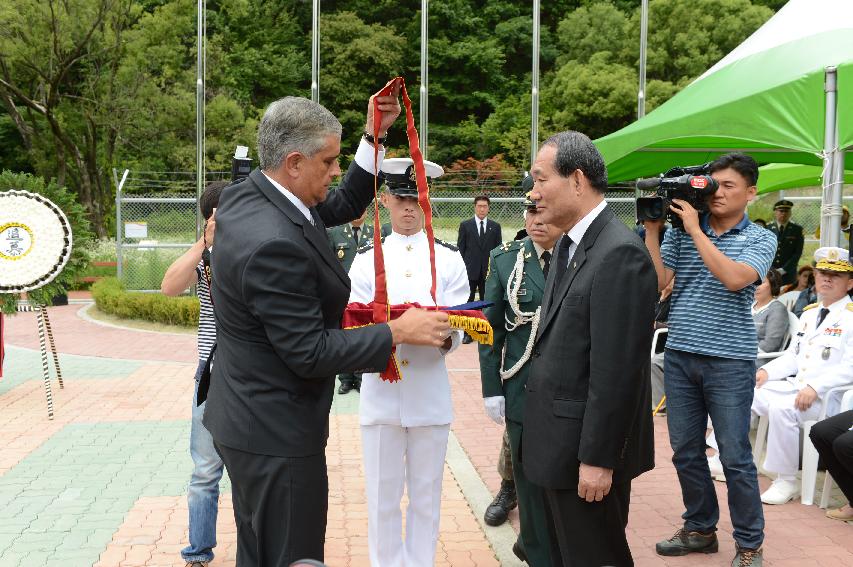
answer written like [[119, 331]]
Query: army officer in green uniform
[[346, 239], [515, 284], [790, 241]]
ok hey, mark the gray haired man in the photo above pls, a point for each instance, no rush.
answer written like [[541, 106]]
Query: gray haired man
[[279, 294]]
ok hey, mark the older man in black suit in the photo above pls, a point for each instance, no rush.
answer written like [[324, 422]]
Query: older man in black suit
[[279, 293], [478, 236], [587, 425]]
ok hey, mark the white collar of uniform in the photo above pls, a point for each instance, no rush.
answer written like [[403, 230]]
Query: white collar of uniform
[[840, 304], [291, 197], [577, 231], [415, 238], [477, 221]]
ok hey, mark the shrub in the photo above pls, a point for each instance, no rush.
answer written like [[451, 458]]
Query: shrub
[[111, 297]]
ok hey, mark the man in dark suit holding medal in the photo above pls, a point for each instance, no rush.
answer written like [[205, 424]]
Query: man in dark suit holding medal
[[279, 294], [587, 428]]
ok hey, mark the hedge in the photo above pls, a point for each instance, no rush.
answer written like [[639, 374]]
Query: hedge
[[111, 297]]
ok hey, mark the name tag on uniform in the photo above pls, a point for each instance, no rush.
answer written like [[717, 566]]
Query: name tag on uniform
[[521, 292], [832, 332]]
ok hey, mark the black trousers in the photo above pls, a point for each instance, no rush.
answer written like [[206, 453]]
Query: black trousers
[[589, 534], [834, 442], [475, 286], [280, 506], [353, 378]]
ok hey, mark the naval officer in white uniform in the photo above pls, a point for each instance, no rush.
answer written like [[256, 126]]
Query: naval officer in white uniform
[[405, 424], [793, 388]]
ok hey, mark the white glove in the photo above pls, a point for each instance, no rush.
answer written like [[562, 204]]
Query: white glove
[[495, 406]]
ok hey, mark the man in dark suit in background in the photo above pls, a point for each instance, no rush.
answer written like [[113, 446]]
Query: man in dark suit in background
[[279, 293], [790, 240], [477, 237], [587, 428]]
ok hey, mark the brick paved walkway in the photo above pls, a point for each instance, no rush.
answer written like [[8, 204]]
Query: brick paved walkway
[[104, 483]]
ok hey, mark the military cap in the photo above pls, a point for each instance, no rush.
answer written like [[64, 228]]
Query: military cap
[[400, 175], [784, 204], [833, 259]]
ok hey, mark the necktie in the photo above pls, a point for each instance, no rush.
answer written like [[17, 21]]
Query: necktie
[[355, 230], [546, 262], [482, 229], [563, 255], [821, 316]]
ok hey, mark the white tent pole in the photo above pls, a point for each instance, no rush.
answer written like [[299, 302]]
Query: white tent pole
[[644, 26], [315, 51], [199, 108], [534, 87], [830, 218], [424, 90]]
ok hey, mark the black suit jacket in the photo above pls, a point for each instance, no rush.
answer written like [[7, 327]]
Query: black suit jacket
[[279, 293], [589, 394], [475, 250]]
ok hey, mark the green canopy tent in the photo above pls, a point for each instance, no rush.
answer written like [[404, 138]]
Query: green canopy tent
[[781, 176], [766, 98]]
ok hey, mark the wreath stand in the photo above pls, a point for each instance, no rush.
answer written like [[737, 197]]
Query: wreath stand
[[44, 330]]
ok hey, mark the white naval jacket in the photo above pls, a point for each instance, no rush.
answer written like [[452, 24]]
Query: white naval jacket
[[422, 397], [820, 357]]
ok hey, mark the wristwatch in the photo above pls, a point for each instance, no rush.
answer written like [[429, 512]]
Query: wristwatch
[[374, 141]]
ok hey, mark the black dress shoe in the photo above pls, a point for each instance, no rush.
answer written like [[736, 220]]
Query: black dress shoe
[[357, 386], [467, 340], [684, 542], [345, 387], [518, 549], [505, 500]]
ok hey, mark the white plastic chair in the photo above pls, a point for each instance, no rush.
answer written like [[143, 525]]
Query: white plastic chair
[[846, 405], [793, 325], [810, 454]]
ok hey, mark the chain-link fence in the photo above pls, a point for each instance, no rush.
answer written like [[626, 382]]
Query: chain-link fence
[[156, 215]]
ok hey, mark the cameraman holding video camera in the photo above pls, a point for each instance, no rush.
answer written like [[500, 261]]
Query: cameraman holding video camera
[[710, 354]]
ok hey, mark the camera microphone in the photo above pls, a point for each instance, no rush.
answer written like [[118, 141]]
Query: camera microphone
[[649, 183]]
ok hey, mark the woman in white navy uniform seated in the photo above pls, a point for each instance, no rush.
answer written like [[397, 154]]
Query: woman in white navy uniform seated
[[405, 424]]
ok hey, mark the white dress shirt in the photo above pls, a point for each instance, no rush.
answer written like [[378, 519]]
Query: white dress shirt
[[577, 231]]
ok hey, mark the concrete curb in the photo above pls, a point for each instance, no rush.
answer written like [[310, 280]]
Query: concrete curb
[[501, 538]]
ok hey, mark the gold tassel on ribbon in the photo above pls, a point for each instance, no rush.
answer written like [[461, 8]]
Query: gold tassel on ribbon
[[478, 329]]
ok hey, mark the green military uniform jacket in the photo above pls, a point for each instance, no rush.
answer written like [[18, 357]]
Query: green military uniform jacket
[[788, 250], [343, 242], [510, 344]]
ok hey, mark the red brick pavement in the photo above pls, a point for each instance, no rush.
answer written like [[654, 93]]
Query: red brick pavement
[[74, 335], [797, 535]]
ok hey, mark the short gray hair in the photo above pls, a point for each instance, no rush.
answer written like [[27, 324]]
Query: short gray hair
[[576, 151], [293, 124]]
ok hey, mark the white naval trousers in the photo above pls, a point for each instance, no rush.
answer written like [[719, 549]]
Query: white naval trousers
[[783, 432], [394, 455]]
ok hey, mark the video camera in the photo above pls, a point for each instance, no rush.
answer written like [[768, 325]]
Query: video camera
[[241, 164], [693, 184]]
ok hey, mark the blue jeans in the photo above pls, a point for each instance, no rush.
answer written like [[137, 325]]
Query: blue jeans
[[203, 491], [696, 386]]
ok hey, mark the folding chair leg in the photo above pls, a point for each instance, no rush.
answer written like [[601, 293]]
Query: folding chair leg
[[760, 440], [810, 458], [827, 490]]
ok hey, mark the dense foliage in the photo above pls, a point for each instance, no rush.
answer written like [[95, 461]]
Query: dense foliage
[[88, 85]]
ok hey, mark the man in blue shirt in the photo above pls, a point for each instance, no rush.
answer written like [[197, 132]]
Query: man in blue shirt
[[710, 352]]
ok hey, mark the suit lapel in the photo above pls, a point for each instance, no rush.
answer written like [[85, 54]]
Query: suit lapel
[[315, 234], [578, 260]]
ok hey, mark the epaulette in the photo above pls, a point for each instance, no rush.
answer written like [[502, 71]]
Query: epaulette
[[446, 244], [509, 246], [812, 306], [850, 306], [368, 246]]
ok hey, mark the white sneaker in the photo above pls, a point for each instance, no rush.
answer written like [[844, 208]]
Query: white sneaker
[[781, 491], [716, 467]]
